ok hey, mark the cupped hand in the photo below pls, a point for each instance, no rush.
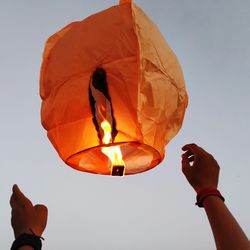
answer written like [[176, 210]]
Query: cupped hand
[[26, 218], [199, 167]]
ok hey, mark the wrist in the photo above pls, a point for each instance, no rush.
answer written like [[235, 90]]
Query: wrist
[[201, 188], [210, 200], [204, 194], [26, 248], [27, 242]]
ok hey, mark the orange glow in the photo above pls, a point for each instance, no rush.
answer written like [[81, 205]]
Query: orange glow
[[113, 152], [107, 132]]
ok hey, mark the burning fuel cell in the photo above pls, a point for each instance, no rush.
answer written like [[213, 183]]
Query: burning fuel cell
[[104, 120]]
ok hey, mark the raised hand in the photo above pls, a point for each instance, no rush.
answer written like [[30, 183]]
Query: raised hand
[[26, 218], [199, 167]]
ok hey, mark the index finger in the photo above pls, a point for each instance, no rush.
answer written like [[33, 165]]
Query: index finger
[[193, 148], [13, 202], [18, 197]]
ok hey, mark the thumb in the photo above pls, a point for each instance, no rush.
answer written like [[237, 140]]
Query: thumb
[[41, 212]]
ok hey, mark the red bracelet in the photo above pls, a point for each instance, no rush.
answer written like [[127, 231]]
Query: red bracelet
[[204, 193]]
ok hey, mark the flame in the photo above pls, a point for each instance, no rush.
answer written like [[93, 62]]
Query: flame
[[113, 152], [107, 132]]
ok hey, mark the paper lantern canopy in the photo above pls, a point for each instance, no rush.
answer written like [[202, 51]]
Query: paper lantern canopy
[[113, 93]]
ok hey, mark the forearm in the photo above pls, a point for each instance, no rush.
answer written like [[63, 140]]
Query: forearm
[[227, 232]]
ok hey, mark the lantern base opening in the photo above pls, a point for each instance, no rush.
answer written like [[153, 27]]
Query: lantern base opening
[[137, 158]]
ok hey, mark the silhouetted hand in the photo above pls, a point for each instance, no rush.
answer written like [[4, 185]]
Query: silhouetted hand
[[199, 167], [26, 217]]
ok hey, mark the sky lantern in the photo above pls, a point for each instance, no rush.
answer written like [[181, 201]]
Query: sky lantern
[[113, 93]]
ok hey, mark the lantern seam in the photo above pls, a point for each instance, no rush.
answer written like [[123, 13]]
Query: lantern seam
[[82, 73]]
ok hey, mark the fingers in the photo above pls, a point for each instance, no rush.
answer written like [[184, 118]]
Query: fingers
[[185, 163], [189, 157], [14, 196], [12, 201], [15, 188], [18, 198], [193, 149], [18, 195]]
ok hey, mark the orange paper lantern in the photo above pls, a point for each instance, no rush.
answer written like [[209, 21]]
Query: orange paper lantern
[[113, 93]]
